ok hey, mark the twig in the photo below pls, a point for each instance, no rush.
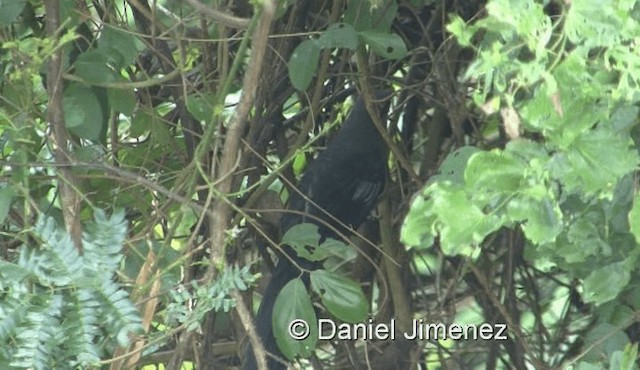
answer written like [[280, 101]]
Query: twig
[[69, 200]]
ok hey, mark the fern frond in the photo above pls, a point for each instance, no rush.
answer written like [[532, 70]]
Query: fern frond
[[209, 297], [118, 313], [83, 312], [103, 240], [36, 341], [60, 309]]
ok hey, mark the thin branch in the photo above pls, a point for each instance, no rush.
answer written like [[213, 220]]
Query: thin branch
[[220, 16], [69, 199], [237, 126], [254, 339]]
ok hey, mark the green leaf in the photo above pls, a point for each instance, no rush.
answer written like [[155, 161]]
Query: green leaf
[[453, 167], [384, 15], [602, 341], [339, 35], [6, 198], [495, 172], [293, 304], [83, 112], [10, 10], [299, 163], [304, 239], [201, 106], [141, 123], [627, 359], [582, 365], [463, 33], [98, 66], [634, 218], [341, 296], [542, 218], [123, 101], [418, 225], [606, 282], [461, 224], [624, 118], [595, 162], [303, 64], [371, 14], [123, 44], [88, 153], [582, 240], [338, 249], [592, 24], [386, 45], [358, 14]]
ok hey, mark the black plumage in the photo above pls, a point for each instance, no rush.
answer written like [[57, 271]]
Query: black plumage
[[337, 191]]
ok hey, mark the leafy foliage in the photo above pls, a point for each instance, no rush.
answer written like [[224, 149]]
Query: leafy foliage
[[566, 178], [59, 306], [293, 303], [519, 116], [364, 25], [341, 296], [214, 297]]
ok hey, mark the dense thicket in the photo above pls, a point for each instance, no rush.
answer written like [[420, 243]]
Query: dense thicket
[[511, 195]]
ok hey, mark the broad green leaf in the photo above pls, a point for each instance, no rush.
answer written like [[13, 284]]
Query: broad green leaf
[[6, 198], [453, 167], [124, 44], [10, 10], [293, 304], [123, 101], [341, 296], [88, 153], [461, 224], [418, 225], [582, 365], [625, 117], [606, 282], [299, 163], [338, 249], [201, 106], [98, 66], [302, 235], [530, 151], [83, 112], [304, 239], [386, 45], [595, 162], [358, 14], [539, 114], [634, 218], [494, 172], [384, 15], [526, 19], [584, 239], [339, 35], [542, 219], [371, 14], [160, 133], [592, 24], [628, 358], [463, 32], [141, 123], [603, 340], [303, 64]]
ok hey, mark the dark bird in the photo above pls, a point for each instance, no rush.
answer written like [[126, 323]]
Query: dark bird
[[337, 192]]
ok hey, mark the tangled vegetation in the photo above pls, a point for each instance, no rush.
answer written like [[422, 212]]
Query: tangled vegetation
[[148, 149]]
